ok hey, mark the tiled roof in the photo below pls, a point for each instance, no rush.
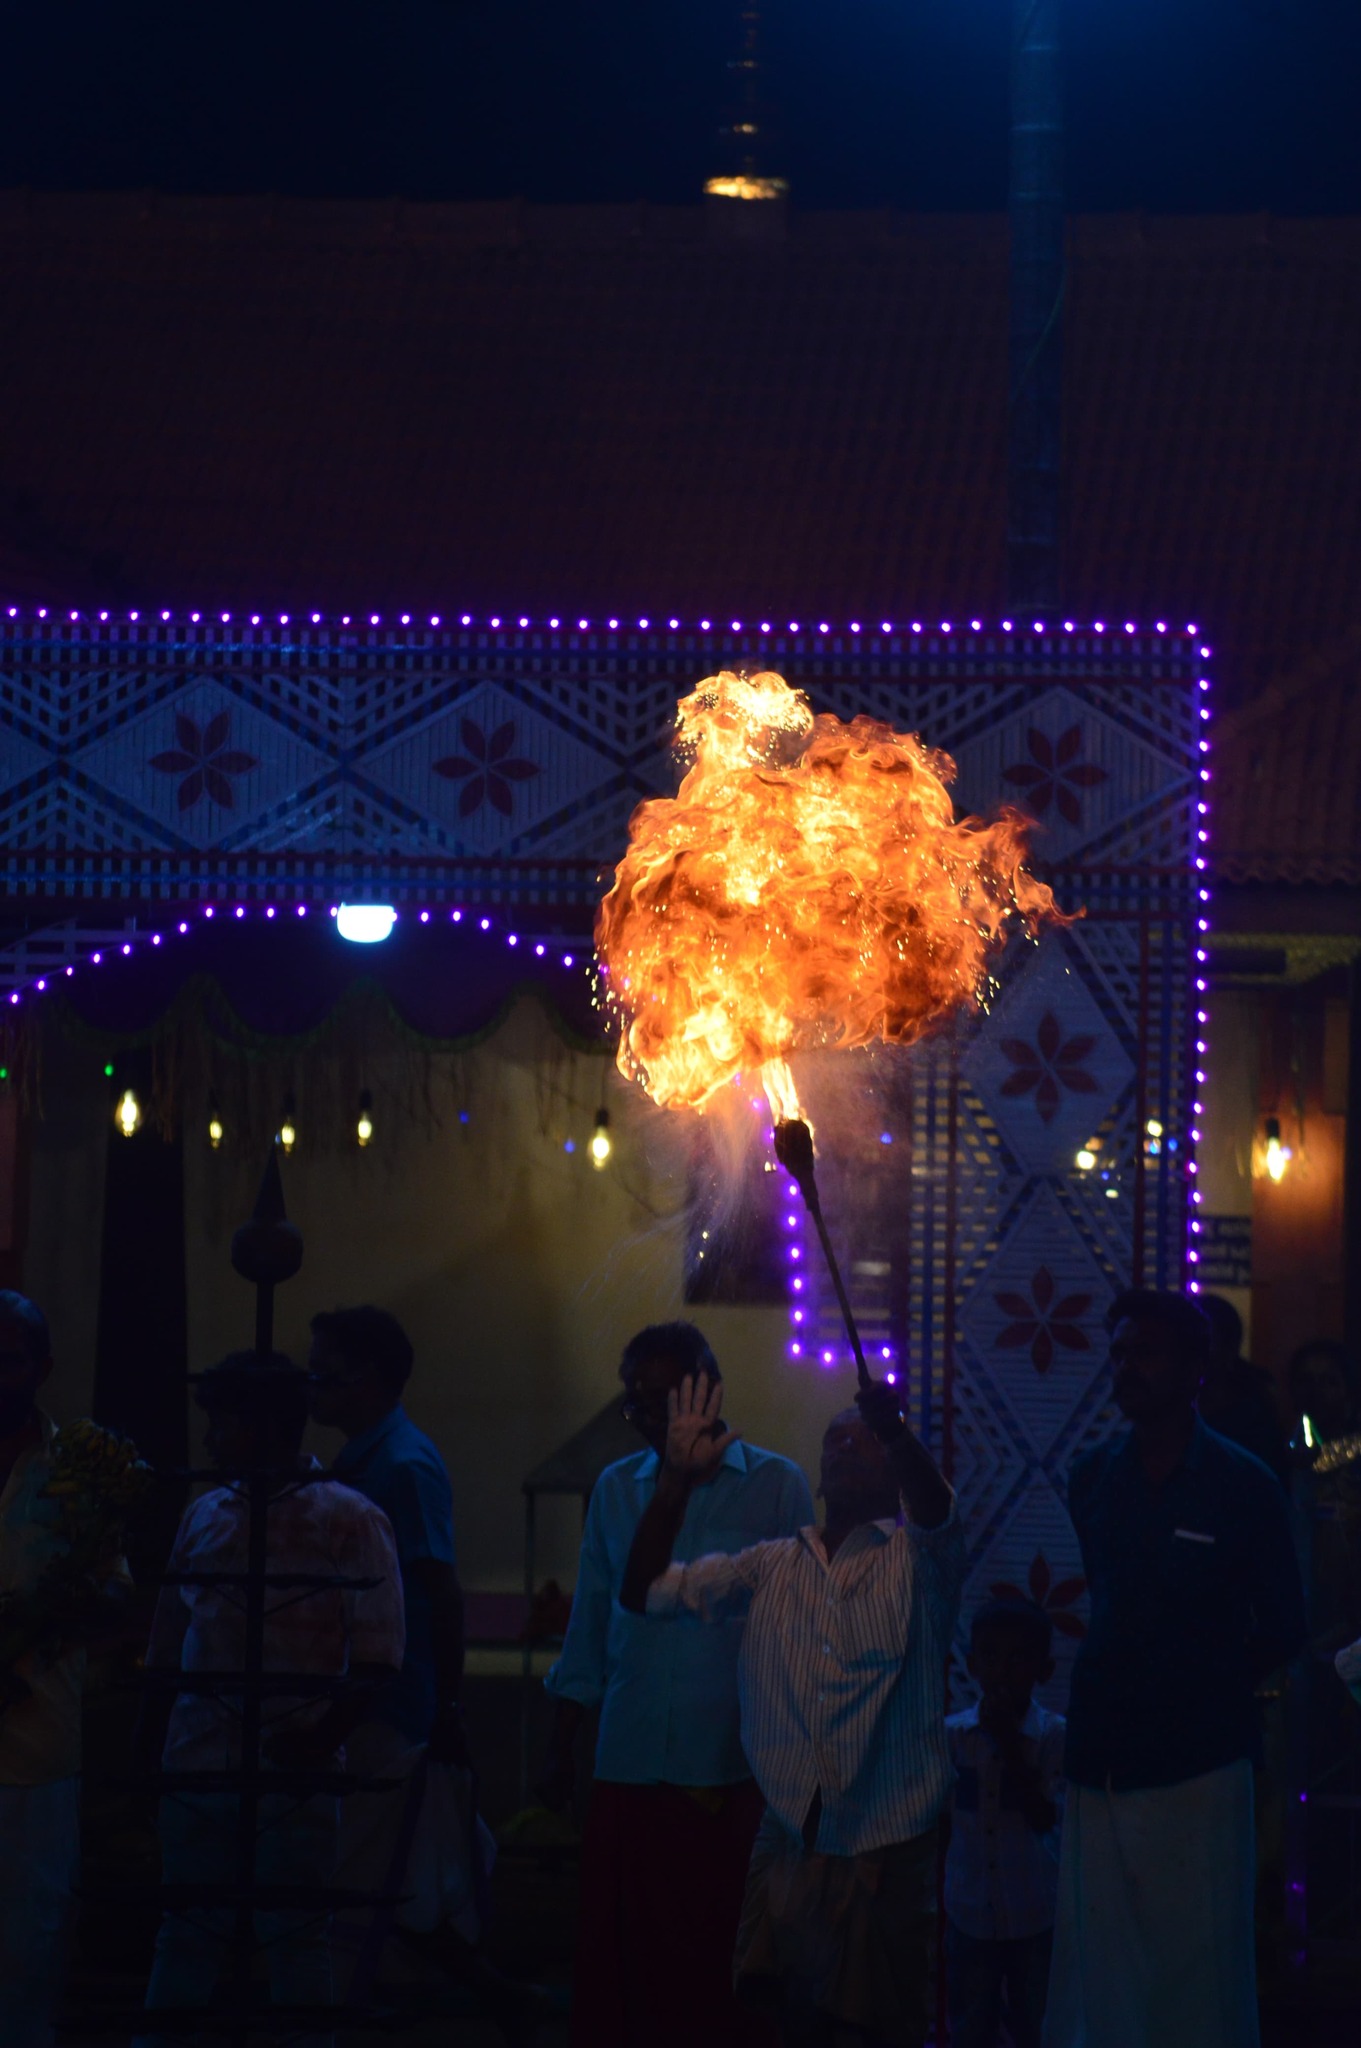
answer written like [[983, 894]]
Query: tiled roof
[[1287, 768], [340, 404]]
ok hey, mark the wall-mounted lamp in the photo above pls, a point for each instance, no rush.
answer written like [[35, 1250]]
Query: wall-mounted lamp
[[215, 1126], [601, 1143], [1276, 1157], [363, 1129], [127, 1114]]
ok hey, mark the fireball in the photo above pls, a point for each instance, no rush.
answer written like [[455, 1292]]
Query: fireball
[[808, 887]]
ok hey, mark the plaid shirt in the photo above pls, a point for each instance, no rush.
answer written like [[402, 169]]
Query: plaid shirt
[[317, 1527], [1001, 1878]]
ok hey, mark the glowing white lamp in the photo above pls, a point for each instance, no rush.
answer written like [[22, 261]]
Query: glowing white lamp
[[127, 1113], [365, 924]]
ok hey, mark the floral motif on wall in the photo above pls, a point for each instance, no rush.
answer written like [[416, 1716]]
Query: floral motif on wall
[[1055, 1599], [1041, 1323], [487, 768], [1050, 1065], [1054, 775], [204, 761]]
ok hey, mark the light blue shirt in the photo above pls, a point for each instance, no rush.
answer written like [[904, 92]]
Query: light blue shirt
[[396, 1466], [667, 1690]]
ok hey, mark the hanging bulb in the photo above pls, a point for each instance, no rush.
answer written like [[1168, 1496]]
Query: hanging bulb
[[288, 1129], [127, 1113], [601, 1142], [1278, 1156], [363, 1130], [215, 1128]]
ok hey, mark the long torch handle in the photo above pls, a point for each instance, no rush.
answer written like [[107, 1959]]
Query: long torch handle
[[862, 1371]]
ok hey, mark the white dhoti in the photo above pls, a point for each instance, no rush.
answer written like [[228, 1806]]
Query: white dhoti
[[421, 1839], [39, 1855], [1153, 1944]]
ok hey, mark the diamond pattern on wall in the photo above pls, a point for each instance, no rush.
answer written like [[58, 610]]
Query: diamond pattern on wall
[[1075, 771], [1036, 1553], [488, 769], [1049, 1066], [1036, 1315], [202, 764]]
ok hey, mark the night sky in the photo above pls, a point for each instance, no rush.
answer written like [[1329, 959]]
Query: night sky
[[1173, 105]]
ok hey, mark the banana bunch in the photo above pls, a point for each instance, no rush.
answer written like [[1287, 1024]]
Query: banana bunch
[[96, 1481], [95, 1472], [1336, 1452]]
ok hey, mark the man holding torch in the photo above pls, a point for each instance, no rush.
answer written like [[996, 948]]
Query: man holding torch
[[842, 1679]]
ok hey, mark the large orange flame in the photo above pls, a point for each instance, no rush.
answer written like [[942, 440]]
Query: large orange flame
[[809, 886]]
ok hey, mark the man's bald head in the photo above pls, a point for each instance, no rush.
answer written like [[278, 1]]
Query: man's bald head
[[858, 1480]]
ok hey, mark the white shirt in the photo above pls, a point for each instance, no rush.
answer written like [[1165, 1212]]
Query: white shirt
[[842, 1672], [668, 1696], [318, 1527], [1001, 1877]]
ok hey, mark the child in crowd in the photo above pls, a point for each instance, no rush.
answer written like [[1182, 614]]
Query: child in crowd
[[1001, 1871]]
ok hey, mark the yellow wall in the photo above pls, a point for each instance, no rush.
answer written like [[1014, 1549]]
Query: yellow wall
[[66, 1216], [518, 1270]]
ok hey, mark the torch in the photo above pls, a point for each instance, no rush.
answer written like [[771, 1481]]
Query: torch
[[808, 887], [794, 1150]]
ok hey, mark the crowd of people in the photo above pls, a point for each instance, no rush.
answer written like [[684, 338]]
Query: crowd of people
[[769, 1870], [781, 1802], [362, 1608]]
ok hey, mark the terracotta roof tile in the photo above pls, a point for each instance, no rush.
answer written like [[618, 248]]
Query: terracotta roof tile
[[1287, 767], [346, 403]]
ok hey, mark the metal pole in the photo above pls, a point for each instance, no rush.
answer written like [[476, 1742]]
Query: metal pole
[[264, 1319], [527, 1654], [259, 1487], [794, 1150], [1037, 293], [1351, 1181]]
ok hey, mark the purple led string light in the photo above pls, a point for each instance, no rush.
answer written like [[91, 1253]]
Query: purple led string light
[[524, 622], [805, 1307], [802, 1309], [183, 926], [1202, 960]]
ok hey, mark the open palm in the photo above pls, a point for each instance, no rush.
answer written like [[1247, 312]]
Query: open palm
[[694, 1441]]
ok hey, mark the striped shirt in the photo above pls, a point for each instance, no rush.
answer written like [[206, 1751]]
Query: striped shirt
[[842, 1672], [1001, 1876]]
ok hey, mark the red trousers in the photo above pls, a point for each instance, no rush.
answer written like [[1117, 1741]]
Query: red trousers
[[662, 1878]]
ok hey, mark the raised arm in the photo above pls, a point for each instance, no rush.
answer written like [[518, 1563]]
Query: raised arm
[[695, 1443], [927, 1497]]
